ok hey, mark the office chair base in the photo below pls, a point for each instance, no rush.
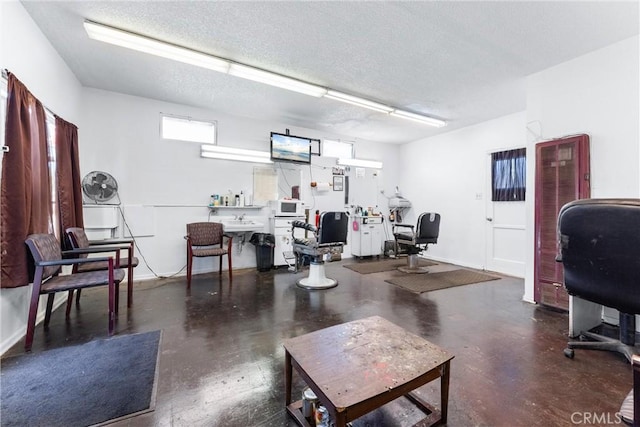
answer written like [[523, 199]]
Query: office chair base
[[413, 266], [317, 278], [601, 343]]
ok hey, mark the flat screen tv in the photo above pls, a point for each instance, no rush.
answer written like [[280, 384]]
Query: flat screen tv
[[289, 148]]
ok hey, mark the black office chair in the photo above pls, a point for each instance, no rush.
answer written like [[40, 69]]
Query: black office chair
[[600, 252], [330, 237], [413, 241], [630, 408]]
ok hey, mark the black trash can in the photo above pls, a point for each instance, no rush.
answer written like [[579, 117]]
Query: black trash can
[[264, 243]]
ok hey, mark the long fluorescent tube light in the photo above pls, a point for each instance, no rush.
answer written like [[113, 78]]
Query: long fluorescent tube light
[[277, 80], [360, 102], [361, 163], [140, 43], [229, 153], [151, 46], [419, 118]]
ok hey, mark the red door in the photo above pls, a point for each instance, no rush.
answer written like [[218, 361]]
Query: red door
[[562, 175]]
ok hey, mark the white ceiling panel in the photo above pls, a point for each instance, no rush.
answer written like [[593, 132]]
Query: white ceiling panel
[[464, 62]]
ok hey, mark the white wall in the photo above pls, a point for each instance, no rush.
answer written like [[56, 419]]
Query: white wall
[[448, 174], [28, 54], [120, 134], [596, 94]]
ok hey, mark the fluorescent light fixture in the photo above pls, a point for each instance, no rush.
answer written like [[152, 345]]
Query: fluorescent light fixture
[[419, 118], [229, 153], [277, 80], [361, 163], [360, 102], [140, 43], [151, 46]]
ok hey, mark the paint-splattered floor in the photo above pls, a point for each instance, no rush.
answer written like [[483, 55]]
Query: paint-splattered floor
[[222, 361]]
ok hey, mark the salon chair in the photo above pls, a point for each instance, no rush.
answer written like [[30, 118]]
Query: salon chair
[[329, 237], [599, 244], [414, 240]]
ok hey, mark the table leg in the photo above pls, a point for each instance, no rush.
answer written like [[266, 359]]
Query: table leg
[[341, 419], [287, 377], [444, 392]]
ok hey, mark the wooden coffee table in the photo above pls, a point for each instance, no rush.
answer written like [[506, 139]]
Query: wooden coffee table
[[359, 366]]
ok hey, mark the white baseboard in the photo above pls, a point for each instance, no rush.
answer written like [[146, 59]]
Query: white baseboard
[[19, 334]]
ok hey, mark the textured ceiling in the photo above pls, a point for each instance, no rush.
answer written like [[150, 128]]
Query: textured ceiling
[[464, 62]]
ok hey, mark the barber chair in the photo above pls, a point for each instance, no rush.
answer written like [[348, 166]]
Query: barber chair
[[600, 252], [414, 240], [329, 237]]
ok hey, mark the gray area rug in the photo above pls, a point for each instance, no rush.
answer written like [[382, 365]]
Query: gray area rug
[[426, 282], [82, 385], [368, 267]]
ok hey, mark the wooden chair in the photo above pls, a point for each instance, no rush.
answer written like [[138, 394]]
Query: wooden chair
[[79, 240], [205, 239], [47, 257]]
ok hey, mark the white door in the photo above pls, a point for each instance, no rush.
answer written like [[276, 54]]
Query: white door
[[505, 233]]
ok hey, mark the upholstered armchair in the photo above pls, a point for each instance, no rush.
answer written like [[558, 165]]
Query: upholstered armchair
[[206, 239], [48, 259], [79, 241]]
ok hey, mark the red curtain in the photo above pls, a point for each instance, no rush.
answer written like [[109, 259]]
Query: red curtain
[[68, 174], [25, 199]]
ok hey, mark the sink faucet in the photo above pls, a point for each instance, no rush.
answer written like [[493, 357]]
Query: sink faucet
[[241, 217]]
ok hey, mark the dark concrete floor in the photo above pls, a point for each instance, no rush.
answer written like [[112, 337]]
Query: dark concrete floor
[[222, 361]]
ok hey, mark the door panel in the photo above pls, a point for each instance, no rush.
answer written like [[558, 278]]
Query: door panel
[[562, 175], [505, 234]]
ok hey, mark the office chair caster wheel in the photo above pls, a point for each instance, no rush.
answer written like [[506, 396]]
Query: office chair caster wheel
[[568, 352]]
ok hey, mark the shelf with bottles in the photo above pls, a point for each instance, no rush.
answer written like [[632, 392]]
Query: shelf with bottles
[[397, 214], [213, 208]]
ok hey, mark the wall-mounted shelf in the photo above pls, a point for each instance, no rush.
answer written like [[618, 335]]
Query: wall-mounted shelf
[[215, 208]]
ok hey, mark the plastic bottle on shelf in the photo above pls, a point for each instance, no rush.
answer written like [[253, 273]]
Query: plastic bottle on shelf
[[237, 198], [241, 199]]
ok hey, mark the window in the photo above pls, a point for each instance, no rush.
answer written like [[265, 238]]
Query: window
[[53, 175], [186, 129], [339, 149], [3, 110], [508, 175]]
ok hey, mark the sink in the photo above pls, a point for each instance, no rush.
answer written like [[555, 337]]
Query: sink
[[231, 225]]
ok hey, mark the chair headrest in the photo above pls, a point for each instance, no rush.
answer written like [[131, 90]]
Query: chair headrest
[[428, 226], [334, 227]]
